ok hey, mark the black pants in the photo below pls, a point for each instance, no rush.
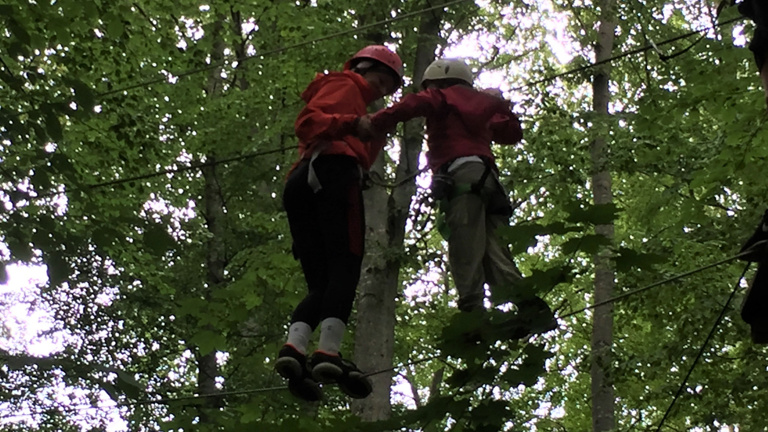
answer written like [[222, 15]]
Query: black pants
[[328, 229]]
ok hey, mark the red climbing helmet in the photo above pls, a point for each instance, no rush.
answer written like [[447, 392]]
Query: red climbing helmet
[[381, 54]]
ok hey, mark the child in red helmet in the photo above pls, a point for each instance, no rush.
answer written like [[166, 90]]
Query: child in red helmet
[[324, 202], [461, 124]]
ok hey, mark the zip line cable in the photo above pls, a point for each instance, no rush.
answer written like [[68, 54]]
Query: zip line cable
[[408, 15], [438, 356], [172, 171], [703, 346], [245, 58], [377, 182], [651, 46], [283, 49], [665, 281], [411, 363], [163, 401], [167, 400]]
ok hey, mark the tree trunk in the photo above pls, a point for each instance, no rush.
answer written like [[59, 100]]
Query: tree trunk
[[215, 259], [603, 400], [386, 216]]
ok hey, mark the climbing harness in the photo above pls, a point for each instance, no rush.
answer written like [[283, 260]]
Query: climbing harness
[[314, 182], [445, 188]]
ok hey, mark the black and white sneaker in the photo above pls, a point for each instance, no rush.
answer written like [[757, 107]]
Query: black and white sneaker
[[329, 368], [292, 365]]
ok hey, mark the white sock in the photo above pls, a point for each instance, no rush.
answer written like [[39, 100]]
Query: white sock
[[331, 334], [298, 336]]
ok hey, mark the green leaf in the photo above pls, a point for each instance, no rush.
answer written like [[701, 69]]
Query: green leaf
[[84, 95], [191, 306], [53, 126], [19, 247], [157, 240], [532, 367], [600, 214], [114, 26], [208, 341], [128, 384], [58, 268], [589, 244], [626, 259], [539, 281], [521, 236], [253, 300], [110, 389], [19, 32]]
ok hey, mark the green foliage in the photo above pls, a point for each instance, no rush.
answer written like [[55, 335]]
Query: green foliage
[[93, 94]]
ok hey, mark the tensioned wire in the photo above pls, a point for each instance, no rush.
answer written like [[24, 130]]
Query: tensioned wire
[[266, 152], [168, 400], [378, 182]]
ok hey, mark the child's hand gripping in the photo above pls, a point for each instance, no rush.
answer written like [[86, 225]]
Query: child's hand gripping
[[365, 130]]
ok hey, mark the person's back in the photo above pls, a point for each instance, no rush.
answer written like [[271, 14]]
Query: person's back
[[466, 124]]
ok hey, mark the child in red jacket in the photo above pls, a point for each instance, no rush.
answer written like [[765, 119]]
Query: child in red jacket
[[324, 203], [461, 124]]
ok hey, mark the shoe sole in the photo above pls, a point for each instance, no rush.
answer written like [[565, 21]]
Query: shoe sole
[[326, 372], [305, 389], [288, 367], [356, 385]]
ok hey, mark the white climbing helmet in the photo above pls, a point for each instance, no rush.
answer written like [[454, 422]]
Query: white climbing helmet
[[448, 69]]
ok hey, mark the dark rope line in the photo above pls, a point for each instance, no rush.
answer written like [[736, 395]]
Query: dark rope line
[[381, 183], [405, 180], [393, 368], [665, 281], [283, 49], [84, 407], [437, 356], [703, 346], [172, 171], [625, 54], [401, 17]]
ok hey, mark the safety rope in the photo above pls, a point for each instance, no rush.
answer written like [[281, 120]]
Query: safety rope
[[285, 48], [167, 171], [411, 363], [378, 182], [703, 347], [438, 356], [166, 400], [382, 183], [668, 280]]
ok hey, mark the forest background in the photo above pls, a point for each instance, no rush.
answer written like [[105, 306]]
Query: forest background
[[143, 148]]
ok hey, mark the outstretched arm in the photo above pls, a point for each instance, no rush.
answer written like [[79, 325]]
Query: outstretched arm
[[411, 106]]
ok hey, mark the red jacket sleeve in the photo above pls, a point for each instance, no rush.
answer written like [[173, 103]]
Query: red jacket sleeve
[[505, 128], [411, 106], [324, 115]]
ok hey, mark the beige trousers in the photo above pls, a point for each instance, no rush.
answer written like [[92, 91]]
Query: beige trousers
[[475, 252]]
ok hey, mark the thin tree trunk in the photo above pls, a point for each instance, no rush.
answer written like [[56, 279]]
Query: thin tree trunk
[[603, 401], [386, 216], [215, 259]]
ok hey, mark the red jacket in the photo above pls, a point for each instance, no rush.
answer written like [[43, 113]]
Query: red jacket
[[461, 122], [334, 101]]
